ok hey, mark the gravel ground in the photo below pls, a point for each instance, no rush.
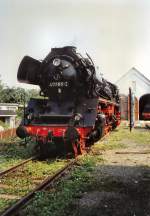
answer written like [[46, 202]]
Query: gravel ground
[[121, 184]]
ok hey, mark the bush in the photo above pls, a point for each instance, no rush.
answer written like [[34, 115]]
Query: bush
[[4, 125]]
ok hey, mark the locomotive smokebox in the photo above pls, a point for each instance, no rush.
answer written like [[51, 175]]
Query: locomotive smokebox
[[29, 70]]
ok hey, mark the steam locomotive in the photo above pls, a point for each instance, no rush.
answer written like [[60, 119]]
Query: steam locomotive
[[74, 109]]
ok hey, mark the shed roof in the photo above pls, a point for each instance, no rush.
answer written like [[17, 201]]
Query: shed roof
[[133, 69]]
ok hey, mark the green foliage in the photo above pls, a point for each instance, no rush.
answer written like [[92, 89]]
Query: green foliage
[[4, 125], [20, 113], [21, 182], [12, 95], [16, 95], [1, 89], [138, 136], [6, 203], [59, 201], [32, 93]]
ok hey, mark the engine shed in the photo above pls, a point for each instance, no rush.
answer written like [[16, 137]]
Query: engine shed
[[141, 88]]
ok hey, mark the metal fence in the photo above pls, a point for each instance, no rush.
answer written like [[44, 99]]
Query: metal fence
[[8, 133]]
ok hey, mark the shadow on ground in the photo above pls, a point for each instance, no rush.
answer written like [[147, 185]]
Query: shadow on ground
[[116, 191], [15, 150]]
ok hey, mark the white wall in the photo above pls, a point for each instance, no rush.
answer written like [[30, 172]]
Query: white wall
[[138, 83], [10, 121]]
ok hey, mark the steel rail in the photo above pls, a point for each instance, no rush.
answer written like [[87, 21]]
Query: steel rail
[[133, 152], [11, 169], [45, 184]]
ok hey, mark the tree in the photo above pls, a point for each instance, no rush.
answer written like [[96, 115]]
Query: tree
[[1, 89], [32, 93], [16, 95]]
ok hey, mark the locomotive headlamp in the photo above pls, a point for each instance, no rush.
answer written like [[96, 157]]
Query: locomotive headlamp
[[78, 117], [56, 62]]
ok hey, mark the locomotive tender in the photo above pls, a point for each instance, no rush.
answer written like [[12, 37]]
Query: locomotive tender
[[76, 109]]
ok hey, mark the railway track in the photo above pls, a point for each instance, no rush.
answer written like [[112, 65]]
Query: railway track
[[13, 168], [46, 182], [12, 210]]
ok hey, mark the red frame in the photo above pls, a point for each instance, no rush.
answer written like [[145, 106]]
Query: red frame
[[58, 131], [146, 116], [109, 109]]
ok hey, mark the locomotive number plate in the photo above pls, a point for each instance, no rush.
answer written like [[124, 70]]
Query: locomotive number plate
[[58, 84]]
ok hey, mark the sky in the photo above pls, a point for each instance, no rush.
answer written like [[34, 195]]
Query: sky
[[116, 33]]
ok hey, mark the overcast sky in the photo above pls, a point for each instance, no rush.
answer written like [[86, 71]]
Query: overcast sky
[[116, 33]]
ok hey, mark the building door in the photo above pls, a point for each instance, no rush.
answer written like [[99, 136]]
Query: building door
[[124, 107], [136, 109], [144, 107]]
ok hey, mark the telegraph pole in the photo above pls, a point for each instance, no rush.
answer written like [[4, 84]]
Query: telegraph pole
[[131, 109]]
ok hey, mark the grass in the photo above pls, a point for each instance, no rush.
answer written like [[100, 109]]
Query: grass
[[4, 202], [60, 200], [13, 151], [55, 202], [112, 141], [141, 137], [120, 137], [21, 182]]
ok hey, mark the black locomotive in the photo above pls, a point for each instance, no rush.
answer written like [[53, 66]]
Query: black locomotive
[[76, 108]]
